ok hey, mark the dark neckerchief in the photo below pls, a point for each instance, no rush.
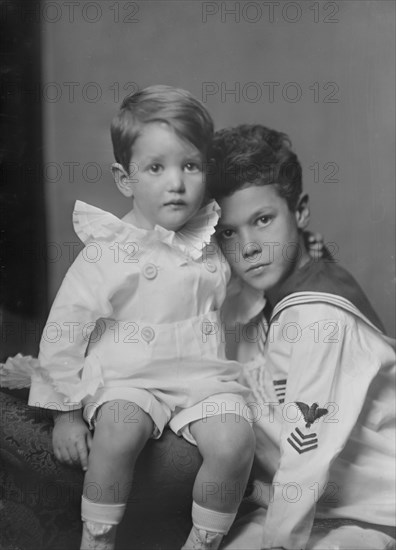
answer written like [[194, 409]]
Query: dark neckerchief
[[329, 277]]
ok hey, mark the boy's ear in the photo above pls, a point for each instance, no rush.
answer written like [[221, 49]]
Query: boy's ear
[[303, 213], [122, 179]]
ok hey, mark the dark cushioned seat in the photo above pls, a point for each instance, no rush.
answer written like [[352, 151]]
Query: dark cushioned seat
[[40, 498]]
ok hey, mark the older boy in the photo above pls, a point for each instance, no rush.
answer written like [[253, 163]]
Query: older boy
[[324, 380]]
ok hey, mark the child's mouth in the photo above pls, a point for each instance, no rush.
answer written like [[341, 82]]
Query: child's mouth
[[175, 204]]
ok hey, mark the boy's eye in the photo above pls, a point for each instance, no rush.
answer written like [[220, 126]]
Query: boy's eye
[[155, 168], [192, 167], [226, 234], [262, 221]]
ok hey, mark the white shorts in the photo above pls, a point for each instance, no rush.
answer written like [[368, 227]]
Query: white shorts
[[178, 420]]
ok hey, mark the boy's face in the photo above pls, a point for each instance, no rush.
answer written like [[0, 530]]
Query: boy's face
[[166, 178], [260, 236]]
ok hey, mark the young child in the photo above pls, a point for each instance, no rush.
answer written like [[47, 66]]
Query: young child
[[324, 379], [153, 293]]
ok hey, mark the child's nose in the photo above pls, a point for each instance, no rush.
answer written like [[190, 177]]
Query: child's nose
[[176, 181]]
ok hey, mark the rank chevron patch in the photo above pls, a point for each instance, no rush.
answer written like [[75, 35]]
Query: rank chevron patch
[[280, 389], [302, 443]]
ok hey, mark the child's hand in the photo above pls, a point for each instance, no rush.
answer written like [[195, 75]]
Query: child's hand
[[71, 439]]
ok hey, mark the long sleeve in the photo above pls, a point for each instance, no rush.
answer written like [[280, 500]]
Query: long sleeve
[[324, 360], [84, 297]]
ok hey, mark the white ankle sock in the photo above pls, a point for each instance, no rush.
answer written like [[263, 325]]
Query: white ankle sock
[[109, 514], [211, 520]]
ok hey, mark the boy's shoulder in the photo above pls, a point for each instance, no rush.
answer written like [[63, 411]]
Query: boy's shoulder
[[326, 281]]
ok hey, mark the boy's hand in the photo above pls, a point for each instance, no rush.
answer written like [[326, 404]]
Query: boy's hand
[[316, 247], [314, 244], [71, 439]]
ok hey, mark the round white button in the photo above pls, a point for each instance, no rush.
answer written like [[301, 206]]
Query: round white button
[[211, 267], [148, 334], [207, 327], [150, 271]]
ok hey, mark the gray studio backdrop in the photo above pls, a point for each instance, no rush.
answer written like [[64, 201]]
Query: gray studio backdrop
[[323, 72]]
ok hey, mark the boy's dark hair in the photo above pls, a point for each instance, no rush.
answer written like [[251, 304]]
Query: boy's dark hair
[[178, 108], [251, 154]]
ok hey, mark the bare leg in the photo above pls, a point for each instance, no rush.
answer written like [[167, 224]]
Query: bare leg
[[118, 440], [226, 443]]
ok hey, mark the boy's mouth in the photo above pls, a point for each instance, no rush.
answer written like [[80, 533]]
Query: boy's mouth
[[257, 269]]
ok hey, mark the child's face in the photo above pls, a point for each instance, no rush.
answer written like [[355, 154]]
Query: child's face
[[166, 180], [260, 236]]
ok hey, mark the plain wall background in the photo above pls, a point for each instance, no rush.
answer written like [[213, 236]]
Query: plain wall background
[[339, 56]]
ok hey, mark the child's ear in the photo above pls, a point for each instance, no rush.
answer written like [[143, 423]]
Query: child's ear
[[303, 213], [122, 179]]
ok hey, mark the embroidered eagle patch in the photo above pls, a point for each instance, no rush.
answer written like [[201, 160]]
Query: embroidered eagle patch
[[311, 413]]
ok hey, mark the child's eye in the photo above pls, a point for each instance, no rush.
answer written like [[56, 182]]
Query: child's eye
[[192, 167], [226, 234], [155, 168], [262, 221]]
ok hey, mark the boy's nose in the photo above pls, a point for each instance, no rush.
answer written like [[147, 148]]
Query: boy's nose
[[250, 247]]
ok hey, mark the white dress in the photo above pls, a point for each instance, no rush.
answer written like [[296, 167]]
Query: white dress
[[147, 303]]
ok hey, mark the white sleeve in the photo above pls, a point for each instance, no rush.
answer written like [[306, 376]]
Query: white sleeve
[[328, 363], [84, 297]]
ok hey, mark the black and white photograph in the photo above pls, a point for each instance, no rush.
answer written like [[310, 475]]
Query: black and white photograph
[[197, 289]]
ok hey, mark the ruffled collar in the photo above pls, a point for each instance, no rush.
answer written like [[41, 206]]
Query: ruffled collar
[[92, 223]]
